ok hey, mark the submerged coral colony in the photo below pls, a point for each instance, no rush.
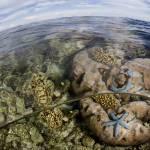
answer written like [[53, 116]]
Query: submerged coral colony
[[37, 111]]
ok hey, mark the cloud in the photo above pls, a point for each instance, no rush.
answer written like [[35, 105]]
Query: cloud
[[18, 12]]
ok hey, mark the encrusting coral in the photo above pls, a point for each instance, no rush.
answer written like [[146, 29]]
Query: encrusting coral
[[53, 118], [100, 55], [42, 89], [108, 101]]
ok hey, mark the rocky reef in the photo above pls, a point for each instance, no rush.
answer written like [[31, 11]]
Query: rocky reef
[[122, 127], [54, 72], [119, 119], [11, 106], [23, 136], [91, 75]]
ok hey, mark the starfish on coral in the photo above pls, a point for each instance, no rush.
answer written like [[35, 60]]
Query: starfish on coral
[[117, 122]]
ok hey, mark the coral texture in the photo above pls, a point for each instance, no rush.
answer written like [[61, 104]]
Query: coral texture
[[131, 132], [42, 89]]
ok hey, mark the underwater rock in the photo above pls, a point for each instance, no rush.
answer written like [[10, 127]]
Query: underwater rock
[[54, 71], [80, 147], [88, 141], [95, 70], [144, 146], [132, 77], [65, 47], [11, 106], [140, 109], [86, 75], [8, 63], [125, 128], [122, 79], [12, 81], [23, 136], [3, 134], [97, 147], [142, 66], [42, 89], [133, 50]]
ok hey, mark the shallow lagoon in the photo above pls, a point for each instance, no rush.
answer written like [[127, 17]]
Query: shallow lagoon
[[47, 63]]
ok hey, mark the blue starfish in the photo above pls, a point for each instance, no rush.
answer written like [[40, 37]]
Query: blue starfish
[[126, 87], [117, 122]]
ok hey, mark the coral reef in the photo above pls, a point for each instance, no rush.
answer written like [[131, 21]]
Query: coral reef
[[62, 47], [42, 89], [117, 122], [142, 66], [21, 136], [99, 76], [11, 106], [86, 75], [52, 118], [98, 121], [119, 79], [53, 70], [102, 56], [28, 76], [107, 101]]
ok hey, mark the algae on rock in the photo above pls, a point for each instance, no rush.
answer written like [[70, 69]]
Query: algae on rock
[[23, 136]]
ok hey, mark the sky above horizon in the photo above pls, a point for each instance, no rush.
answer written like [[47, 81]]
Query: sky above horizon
[[20, 12]]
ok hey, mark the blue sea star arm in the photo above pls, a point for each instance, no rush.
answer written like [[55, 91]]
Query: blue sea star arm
[[113, 116], [123, 116], [109, 123], [117, 122], [123, 124], [116, 130]]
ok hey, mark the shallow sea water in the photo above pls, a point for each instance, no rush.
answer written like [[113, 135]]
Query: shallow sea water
[[38, 70]]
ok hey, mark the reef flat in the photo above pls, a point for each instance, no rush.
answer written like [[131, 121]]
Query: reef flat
[[75, 88]]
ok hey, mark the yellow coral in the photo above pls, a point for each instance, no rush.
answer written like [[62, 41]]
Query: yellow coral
[[53, 118], [42, 89], [99, 55], [107, 101]]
